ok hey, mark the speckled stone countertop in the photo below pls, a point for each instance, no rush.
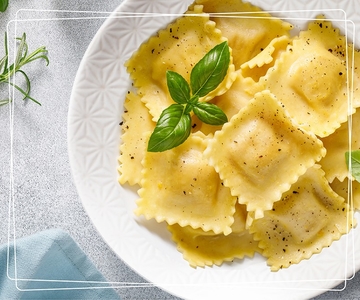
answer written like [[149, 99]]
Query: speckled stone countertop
[[41, 169]]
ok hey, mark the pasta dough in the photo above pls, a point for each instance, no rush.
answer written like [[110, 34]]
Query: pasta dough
[[237, 97], [258, 66], [310, 79], [136, 119], [190, 37], [179, 186], [201, 248], [337, 144], [247, 37], [289, 233], [257, 147], [342, 188]]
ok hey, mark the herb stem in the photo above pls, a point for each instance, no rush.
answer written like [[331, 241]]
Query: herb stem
[[22, 58]]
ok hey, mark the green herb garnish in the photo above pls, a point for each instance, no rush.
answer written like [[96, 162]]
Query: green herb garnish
[[3, 5], [174, 124], [22, 58], [355, 163]]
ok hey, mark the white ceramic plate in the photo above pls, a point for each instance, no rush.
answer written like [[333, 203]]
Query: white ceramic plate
[[94, 138]]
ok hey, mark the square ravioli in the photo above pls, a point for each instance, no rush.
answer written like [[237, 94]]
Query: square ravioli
[[336, 144], [179, 186], [313, 77], [178, 48], [261, 152], [309, 217], [136, 119], [239, 94], [249, 29], [202, 249], [343, 187]]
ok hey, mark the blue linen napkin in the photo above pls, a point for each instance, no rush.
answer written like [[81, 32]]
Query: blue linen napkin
[[50, 265]]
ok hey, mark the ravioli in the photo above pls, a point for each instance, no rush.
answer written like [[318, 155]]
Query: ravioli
[[202, 249], [337, 144], [309, 217], [245, 85], [179, 186], [310, 79], [247, 36], [257, 148], [190, 37], [237, 97], [258, 66], [136, 119], [343, 187]]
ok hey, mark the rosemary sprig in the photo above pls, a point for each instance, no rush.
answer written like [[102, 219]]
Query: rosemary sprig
[[22, 58]]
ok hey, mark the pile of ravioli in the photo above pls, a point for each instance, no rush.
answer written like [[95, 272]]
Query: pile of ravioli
[[273, 180]]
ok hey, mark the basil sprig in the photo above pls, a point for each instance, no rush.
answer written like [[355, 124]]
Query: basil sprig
[[174, 124], [355, 163]]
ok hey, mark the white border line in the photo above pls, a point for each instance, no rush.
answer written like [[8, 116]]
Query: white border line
[[142, 15]]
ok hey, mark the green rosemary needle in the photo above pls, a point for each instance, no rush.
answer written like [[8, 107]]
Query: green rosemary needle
[[23, 57]]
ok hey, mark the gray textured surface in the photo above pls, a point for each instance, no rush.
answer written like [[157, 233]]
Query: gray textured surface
[[45, 193]]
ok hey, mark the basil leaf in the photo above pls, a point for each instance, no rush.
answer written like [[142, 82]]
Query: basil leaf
[[209, 113], [178, 87], [3, 5], [210, 71], [171, 130], [355, 163], [174, 124]]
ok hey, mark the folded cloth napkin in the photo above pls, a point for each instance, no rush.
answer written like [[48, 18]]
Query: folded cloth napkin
[[50, 265]]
